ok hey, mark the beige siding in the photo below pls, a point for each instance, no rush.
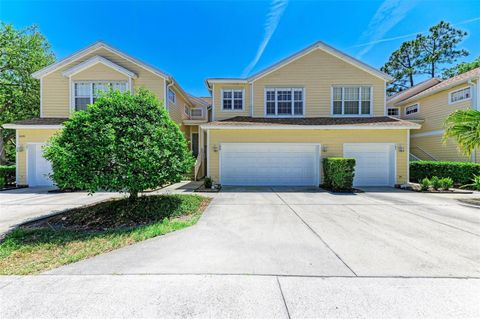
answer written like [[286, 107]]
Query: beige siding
[[219, 113], [24, 137], [333, 140], [99, 72], [56, 91], [427, 147], [435, 109], [177, 110], [317, 72]]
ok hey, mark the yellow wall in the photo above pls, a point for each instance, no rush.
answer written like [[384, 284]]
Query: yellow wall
[[316, 72], [435, 147], [218, 113], [56, 91], [434, 109], [99, 72], [177, 110], [29, 136], [333, 140]]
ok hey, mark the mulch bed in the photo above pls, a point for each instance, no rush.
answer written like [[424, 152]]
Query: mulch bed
[[202, 189], [115, 214]]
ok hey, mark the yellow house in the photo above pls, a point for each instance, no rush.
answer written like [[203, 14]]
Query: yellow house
[[429, 104], [72, 83], [272, 128], [275, 127]]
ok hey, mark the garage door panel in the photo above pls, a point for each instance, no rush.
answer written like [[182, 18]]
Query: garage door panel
[[269, 164], [374, 163]]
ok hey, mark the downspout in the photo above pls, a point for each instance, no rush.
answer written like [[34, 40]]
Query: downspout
[[167, 106]]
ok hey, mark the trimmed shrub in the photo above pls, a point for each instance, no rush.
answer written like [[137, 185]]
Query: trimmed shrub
[[7, 175], [208, 182], [435, 182], [425, 184], [338, 173], [475, 183], [459, 172], [446, 183]]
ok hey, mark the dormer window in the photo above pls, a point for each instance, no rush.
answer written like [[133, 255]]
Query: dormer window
[[412, 109], [351, 100], [86, 92]]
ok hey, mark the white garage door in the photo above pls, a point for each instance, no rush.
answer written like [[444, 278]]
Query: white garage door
[[269, 164], [38, 167], [375, 163]]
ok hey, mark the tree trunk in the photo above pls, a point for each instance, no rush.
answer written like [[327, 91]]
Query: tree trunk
[[133, 195], [433, 69], [410, 76], [3, 159]]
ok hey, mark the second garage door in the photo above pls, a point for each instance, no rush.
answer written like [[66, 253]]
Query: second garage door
[[269, 164], [375, 163]]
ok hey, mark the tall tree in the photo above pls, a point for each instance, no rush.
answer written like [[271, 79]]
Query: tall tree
[[461, 68], [440, 47], [403, 65], [22, 52]]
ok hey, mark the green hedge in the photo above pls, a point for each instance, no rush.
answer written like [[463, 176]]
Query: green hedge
[[338, 173], [460, 172], [7, 175]]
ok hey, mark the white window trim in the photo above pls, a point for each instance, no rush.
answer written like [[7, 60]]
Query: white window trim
[[456, 90], [174, 101], [418, 109], [197, 109], [72, 89], [359, 103], [393, 108], [276, 101], [233, 90]]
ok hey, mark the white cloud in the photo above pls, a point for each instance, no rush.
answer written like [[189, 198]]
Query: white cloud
[[410, 34], [274, 15], [388, 15]]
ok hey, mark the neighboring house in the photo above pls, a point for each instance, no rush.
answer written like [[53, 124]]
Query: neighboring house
[[74, 82], [274, 127], [429, 104]]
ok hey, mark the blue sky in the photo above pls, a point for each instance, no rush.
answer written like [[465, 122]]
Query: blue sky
[[194, 40]]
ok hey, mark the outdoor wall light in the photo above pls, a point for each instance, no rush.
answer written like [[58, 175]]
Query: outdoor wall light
[[215, 148], [19, 149], [324, 148], [401, 149]]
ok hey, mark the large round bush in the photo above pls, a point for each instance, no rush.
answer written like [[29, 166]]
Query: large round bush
[[123, 142]]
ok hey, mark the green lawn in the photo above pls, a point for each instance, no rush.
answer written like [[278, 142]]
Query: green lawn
[[89, 231]]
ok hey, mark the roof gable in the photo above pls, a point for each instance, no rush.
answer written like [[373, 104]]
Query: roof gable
[[94, 61], [90, 49], [325, 48]]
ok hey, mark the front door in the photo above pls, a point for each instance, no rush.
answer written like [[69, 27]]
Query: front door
[[194, 143]]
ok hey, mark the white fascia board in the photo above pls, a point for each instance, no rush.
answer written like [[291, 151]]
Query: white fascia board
[[97, 45], [310, 127], [36, 127], [95, 60]]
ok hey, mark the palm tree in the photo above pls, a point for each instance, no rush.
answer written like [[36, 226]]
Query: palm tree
[[464, 127]]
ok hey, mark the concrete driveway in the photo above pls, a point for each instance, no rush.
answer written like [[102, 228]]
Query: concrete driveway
[[282, 252]]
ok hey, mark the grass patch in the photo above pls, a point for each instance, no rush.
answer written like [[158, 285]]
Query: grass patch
[[84, 232]]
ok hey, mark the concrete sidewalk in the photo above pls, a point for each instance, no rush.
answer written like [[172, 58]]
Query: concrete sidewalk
[[232, 296]]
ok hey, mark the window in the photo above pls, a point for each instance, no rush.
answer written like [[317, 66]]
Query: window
[[351, 100], [172, 97], [232, 100], [284, 102], [411, 109], [86, 92], [198, 112], [459, 95], [393, 111]]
